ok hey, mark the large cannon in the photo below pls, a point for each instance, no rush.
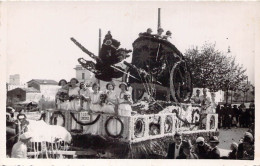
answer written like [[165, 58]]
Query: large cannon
[[157, 61]]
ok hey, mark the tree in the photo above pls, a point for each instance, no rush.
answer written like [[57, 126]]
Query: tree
[[213, 69]]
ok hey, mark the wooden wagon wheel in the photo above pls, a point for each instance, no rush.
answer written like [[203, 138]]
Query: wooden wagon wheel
[[180, 77]]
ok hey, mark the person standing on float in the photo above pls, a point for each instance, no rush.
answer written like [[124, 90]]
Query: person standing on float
[[124, 101], [110, 106], [74, 101], [95, 107], [62, 94], [85, 96], [111, 100]]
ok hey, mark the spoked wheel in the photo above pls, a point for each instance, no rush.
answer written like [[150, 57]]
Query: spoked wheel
[[181, 82]]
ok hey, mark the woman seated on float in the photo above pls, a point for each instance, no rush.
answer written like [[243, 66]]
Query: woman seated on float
[[84, 93], [124, 101], [111, 99], [61, 97], [74, 96]]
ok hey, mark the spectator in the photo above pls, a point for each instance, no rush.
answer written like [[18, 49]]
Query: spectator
[[19, 149], [214, 152], [246, 147], [201, 148], [233, 153], [236, 114], [187, 153], [242, 118], [175, 149]]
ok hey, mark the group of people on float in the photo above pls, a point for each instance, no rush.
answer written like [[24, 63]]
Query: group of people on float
[[184, 149], [159, 35], [208, 104], [74, 97]]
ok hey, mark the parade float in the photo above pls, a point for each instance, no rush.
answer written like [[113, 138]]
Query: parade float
[[158, 70]]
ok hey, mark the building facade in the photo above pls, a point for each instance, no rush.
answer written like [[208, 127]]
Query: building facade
[[83, 75], [47, 88], [23, 94]]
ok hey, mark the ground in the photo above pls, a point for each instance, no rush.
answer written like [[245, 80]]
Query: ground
[[226, 137]]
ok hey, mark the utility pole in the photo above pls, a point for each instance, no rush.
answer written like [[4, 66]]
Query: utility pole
[[159, 18], [99, 46]]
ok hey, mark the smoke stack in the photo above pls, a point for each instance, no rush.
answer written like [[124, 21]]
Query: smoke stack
[[159, 18]]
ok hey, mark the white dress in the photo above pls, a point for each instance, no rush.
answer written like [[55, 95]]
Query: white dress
[[86, 94], [124, 109], [109, 107], [95, 107], [74, 105]]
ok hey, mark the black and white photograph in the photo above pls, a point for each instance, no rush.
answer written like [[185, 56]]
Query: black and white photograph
[[129, 80]]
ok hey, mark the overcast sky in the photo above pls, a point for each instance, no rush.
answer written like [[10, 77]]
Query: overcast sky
[[38, 33]]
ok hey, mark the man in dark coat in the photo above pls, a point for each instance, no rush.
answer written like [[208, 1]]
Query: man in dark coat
[[175, 149], [187, 153], [214, 152], [246, 148], [201, 148]]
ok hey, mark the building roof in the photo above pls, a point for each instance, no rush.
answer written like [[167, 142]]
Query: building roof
[[44, 82], [27, 90]]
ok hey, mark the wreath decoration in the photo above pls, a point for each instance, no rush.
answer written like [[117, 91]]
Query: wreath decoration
[[55, 115], [139, 128], [84, 124], [122, 127]]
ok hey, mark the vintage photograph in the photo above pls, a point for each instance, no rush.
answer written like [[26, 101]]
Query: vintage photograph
[[130, 80]]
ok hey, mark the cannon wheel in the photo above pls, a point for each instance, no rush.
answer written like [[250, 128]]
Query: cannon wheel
[[180, 74]]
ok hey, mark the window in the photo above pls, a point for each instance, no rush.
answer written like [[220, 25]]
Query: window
[[83, 76]]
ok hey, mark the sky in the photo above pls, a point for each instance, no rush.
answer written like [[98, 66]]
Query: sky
[[37, 34]]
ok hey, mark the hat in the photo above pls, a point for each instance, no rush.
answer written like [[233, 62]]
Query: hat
[[200, 139], [149, 29], [61, 81], [75, 80], [168, 33], [160, 29], [110, 83], [123, 83], [248, 137], [235, 145], [186, 144], [26, 135], [214, 139]]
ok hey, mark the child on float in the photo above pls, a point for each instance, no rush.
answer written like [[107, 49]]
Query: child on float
[[95, 107], [84, 93], [124, 101], [74, 102], [62, 95]]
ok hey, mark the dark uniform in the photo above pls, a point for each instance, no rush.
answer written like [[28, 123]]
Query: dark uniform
[[202, 151], [214, 153]]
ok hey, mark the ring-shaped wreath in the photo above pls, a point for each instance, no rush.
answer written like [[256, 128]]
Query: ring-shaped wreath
[[122, 127]]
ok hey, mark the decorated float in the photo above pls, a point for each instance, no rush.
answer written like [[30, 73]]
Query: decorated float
[[161, 90]]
